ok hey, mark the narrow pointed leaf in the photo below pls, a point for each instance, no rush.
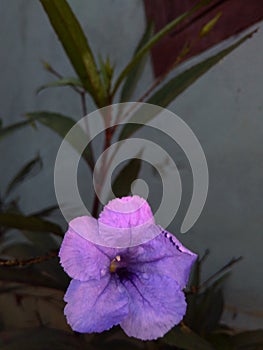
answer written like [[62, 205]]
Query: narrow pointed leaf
[[76, 46], [221, 341], [32, 168], [248, 340], [8, 130], [155, 39], [60, 124], [73, 82], [30, 223], [29, 276], [135, 74], [41, 338], [184, 338], [167, 93], [46, 211], [209, 311], [177, 85], [106, 70]]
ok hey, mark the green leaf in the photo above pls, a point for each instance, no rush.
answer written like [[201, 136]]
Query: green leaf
[[209, 310], [167, 93], [18, 250], [73, 82], [204, 309], [30, 223], [184, 338], [107, 71], [45, 212], [122, 184], [61, 124], [76, 47], [120, 344], [220, 341], [192, 296], [30, 276], [155, 39], [248, 340], [177, 85], [9, 290], [39, 245], [4, 132], [42, 338], [135, 74], [32, 168], [44, 242]]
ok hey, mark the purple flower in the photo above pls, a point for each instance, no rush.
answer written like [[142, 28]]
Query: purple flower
[[138, 287]]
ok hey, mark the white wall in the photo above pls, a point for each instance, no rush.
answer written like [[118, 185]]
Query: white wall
[[224, 109]]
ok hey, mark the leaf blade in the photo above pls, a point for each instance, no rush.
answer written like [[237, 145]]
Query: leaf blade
[[167, 93], [26, 171], [134, 75], [184, 338], [4, 132], [185, 79], [155, 39], [76, 46], [29, 223], [72, 82], [61, 125]]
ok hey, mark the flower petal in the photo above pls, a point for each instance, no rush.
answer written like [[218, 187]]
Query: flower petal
[[127, 212], [82, 259], [164, 255], [156, 305], [95, 306], [126, 222]]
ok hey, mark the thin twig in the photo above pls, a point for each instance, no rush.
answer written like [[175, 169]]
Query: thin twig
[[53, 71], [60, 76], [31, 261], [232, 262], [205, 255], [108, 134]]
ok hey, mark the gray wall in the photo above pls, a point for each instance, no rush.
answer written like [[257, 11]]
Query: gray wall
[[224, 109]]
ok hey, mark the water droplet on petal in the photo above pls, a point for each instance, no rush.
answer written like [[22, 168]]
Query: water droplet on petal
[[120, 288], [145, 275], [103, 272]]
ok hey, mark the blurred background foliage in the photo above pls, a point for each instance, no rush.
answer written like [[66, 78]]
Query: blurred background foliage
[[30, 272]]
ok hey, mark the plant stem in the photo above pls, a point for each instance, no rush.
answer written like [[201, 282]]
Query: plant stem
[[60, 76], [108, 134], [31, 261]]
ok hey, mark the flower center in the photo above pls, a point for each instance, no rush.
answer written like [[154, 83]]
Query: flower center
[[115, 264], [119, 266]]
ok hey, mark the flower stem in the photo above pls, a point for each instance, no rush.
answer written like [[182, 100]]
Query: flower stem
[[31, 261]]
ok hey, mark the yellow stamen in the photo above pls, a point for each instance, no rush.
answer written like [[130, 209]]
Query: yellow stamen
[[114, 264]]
